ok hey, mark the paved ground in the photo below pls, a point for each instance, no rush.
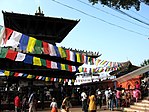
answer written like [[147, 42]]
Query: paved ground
[[74, 109], [78, 109]]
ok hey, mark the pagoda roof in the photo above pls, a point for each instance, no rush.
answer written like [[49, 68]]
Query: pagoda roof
[[126, 67], [49, 29]]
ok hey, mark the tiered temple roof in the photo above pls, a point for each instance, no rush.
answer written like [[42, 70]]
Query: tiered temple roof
[[48, 29]]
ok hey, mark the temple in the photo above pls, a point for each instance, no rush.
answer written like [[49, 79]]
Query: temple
[[48, 31]]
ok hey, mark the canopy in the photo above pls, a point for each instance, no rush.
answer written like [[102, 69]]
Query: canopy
[[132, 74]]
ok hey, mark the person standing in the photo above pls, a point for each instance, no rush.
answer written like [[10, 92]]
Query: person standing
[[53, 105], [67, 103], [92, 102], [99, 98], [17, 103], [107, 99], [84, 101], [118, 98], [32, 103], [24, 103]]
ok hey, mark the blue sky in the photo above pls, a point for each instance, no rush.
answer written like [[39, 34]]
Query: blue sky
[[94, 32]]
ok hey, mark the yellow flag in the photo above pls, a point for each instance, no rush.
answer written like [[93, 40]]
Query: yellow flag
[[7, 73], [80, 69], [63, 66], [37, 61], [29, 76], [47, 79], [62, 52], [78, 57], [31, 44]]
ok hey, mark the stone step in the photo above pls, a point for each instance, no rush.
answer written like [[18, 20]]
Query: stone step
[[145, 101], [142, 104], [140, 107], [134, 110]]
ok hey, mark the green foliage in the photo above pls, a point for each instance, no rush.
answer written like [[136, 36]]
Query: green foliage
[[118, 4], [146, 62]]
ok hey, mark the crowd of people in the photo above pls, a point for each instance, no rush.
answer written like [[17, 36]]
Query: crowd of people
[[91, 98], [26, 103], [112, 98]]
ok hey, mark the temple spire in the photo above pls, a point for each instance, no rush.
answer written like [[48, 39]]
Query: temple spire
[[38, 12]]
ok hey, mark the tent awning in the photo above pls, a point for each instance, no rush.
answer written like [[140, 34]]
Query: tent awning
[[132, 74]]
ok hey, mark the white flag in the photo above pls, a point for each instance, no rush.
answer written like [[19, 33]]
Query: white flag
[[20, 57]]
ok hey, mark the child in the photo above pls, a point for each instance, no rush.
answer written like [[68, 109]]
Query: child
[[53, 105]]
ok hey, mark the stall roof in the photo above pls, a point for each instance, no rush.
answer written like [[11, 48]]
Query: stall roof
[[49, 29], [126, 67], [133, 74]]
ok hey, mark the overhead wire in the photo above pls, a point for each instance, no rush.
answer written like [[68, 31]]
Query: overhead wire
[[140, 15], [100, 19], [124, 13], [111, 14]]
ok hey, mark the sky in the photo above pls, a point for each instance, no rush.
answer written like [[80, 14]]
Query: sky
[[116, 36]]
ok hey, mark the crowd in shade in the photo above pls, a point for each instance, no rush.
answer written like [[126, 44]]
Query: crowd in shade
[[114, 99]]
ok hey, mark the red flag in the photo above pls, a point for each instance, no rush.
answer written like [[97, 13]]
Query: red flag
[[82, 58], [45, 48], [48, 63], [8, 33], [37, 77], [68, 54], [70, 68], [11, 54], [16, 74]]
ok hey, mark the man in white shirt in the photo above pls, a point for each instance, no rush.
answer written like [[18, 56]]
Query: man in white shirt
[[84, 101]]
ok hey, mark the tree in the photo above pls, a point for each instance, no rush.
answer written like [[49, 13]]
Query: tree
[[146, 62], [125, 4]]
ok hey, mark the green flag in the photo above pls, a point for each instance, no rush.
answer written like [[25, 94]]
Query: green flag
[[3, 52]]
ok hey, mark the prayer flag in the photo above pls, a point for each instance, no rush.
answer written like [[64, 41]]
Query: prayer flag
[[52, 51], [29, 76], [57, 52], [58, 66], [53, 65], [62, 52], [68, 54], [3, 52], [20, 56], [36, 61], [31, 44], [14, 39], [23, 42], [7, 73], [73, 69], [70, 68], [43, 62], [11, 54], [47, 79], [63, 66], [8, 33], [2, 37], [78, 57], [38, 47], [72, 56], [48, 63], [16, 74], [28, 59], [45, 47]]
